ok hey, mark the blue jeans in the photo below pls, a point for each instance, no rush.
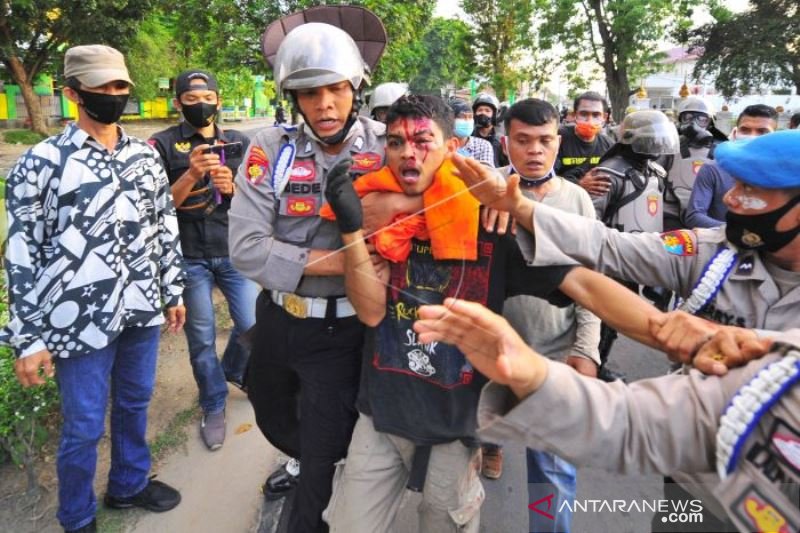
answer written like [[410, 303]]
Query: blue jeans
[[200, 328], [83, 382], [551, 481]]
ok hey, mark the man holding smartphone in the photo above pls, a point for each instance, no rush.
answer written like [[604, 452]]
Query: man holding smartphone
[[200, 159]]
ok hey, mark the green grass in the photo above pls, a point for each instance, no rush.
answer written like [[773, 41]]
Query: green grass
[[173, 435], [22, 137]]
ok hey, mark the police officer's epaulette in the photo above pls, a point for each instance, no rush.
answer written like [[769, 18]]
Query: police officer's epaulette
[[751, 402]]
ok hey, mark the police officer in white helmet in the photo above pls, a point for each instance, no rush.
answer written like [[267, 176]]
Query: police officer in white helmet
[[306, 345], [384, 96]]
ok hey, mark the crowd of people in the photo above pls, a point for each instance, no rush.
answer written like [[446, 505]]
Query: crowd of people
[[411, 290]]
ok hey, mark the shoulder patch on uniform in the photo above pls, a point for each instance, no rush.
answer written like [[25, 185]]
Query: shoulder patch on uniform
[[183, 147], [257, 166], [366, 162], [756, 511], [679, 242]]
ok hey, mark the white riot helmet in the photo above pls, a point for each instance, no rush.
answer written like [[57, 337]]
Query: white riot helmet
[[649, 133], [695, 104], [386, 94], [317, 54]]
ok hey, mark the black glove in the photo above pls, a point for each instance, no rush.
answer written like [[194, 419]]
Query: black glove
[[342, 197]]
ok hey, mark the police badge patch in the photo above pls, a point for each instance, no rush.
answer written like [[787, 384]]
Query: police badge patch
[[756, 511], [257, 167], [679, 242]]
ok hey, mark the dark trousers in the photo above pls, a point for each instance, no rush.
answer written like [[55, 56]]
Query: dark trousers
[[303, 381]]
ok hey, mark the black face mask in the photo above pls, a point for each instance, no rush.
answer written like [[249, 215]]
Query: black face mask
[[104, 108], [757, 232], [199, 115], [483, 121], [694, 132]]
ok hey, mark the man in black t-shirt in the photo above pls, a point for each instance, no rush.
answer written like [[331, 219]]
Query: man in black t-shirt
[[418, 401], [202, 188], [583, 144]]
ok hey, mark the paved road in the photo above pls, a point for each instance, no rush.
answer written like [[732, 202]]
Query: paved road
[[505, 509]]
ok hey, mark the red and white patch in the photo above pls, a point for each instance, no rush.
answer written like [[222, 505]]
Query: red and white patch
[[301, 207], [303, 171], [652, 205], [366, 162], [696, 166], [257, 166], [789, 448]]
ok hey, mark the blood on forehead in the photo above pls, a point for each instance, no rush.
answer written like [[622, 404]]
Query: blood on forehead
[[416, 126]]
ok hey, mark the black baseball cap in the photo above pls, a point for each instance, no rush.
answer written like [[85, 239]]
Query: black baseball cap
[[183, 82]]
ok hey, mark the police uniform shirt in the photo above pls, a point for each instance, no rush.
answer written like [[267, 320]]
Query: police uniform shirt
[[272, 235], [749, 297], [576, 156], [664, 425], [203, 230]]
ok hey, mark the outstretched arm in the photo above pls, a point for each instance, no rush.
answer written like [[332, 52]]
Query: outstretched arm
[[617, 306]]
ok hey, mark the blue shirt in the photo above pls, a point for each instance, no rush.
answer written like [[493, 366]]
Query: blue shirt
[[93, 244], [706, 208]]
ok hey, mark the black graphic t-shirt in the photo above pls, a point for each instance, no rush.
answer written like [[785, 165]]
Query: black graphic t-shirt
[[576, 156], [428, 393]]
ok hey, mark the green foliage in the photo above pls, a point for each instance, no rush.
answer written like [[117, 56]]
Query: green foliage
[[749, 50], [22, 137], [23, 412], [406, 24], [235, 85], [34, 33], [502, 31], [448, 57], [620, 36], [153, 40]]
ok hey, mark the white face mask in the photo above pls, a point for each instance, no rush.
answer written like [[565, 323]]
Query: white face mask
[[736, 136]]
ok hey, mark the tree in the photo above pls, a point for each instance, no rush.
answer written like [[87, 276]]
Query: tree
[[502, 32], [448, 58], [757, 47], [406, 24], [621, 36], [32, 32], [154, 39]]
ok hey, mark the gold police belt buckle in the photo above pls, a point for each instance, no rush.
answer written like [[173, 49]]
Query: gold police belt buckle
[[295, 305]]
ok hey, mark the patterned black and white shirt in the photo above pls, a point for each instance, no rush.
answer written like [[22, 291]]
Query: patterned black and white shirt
[[93, 244]]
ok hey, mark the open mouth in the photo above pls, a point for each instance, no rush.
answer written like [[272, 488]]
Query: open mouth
[[409, 175], [327, 124]]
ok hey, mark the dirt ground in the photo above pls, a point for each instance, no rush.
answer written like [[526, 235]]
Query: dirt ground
[[175, 392]]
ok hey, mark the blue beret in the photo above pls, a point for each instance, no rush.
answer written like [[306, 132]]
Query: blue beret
[[771, 161]]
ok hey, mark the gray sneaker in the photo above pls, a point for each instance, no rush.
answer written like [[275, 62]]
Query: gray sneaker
[[212, 428]]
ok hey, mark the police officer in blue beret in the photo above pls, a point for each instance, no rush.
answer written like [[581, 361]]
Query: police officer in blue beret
[[745, 273]]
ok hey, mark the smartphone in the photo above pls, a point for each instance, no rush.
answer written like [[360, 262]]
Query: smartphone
[[226, 151]]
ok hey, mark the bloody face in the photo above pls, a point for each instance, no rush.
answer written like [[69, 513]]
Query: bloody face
[[415, 149]]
